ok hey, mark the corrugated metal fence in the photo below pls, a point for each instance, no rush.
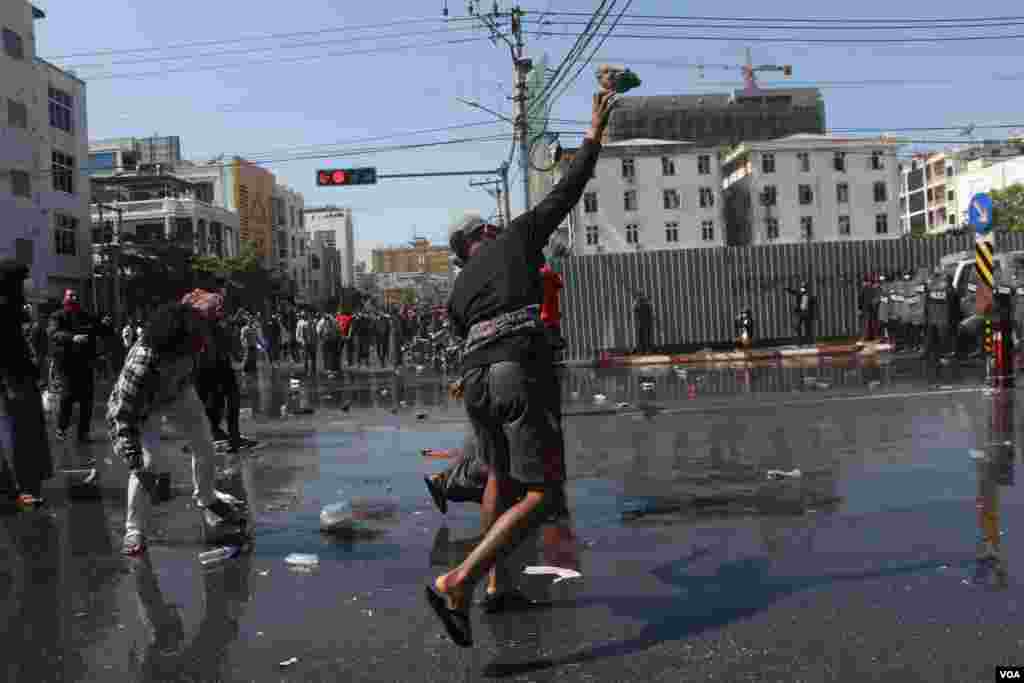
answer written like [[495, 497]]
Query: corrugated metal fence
[[697, 293]]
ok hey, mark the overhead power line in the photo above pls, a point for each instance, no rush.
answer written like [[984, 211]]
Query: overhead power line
[[812, 20], [287, 60], [231, 41], [800, 40], [794, 26], [270, 48]]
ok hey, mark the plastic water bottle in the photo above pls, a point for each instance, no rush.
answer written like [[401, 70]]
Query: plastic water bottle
[[302, 560], [218, 555]]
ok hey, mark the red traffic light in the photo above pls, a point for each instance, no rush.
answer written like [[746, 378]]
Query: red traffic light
[[330, 177]]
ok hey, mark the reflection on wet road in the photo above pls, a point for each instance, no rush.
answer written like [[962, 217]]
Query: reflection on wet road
[[769, 523]]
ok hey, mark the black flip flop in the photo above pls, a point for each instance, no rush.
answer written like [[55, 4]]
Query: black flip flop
[[509, 601], [455, 622], [438, 495]]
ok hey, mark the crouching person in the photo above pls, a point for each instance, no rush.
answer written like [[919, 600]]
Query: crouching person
[[156, 382]]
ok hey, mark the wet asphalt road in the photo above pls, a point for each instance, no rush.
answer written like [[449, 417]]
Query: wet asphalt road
[[697, 566]]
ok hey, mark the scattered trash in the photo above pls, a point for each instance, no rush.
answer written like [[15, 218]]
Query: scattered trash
[[284, 410], [245, 413], [289, 662], [186, 449], [361, 517], [647, 386], [265, 572], [403, 404], [575, 395], [218, 555], [562, 573], [368, 612], [782, 474], [346, 406], [81, 614], [259, 634], [600, 398], [302, 560], [421, 416], [976, 454], [874, 384], [621, 406], [823, 386]]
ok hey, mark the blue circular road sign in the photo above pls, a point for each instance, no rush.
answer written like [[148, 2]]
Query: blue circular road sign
[[979, 213]]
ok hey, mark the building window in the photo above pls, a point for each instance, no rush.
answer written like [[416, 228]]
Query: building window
[[704, 164], [60, 110], [590, 202], [877, 161], [14, 46], [882, 224], [771, 226], [807, 227], [707, 197], [707, 231], [671, 199], [843, 193], [21, 185], [805, 194], [952, 219], [768, 163], [672, 232], [769, 195], [805, 161], [314, 262], [951, 195], [950, 172], [844, 226], [17, 114], [591, 232], [668, 167], [294, 249], [881, 194], [632, 234], [628, 168], [629, 200], [63, 172], [839, 161], [66, 234]]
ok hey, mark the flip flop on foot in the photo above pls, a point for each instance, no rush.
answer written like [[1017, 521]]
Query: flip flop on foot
[[509, 601], [437, 493], [456, 622]]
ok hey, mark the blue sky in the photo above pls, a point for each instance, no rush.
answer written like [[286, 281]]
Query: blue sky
[[277, 107]]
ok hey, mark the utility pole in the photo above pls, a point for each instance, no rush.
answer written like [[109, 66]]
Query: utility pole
[[493, 188], [523, 65]]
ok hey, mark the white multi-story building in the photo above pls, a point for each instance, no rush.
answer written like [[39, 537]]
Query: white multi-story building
[[291, 243], [337, 221], [44, 189], [986, 178], [811, 188], [649, 195]]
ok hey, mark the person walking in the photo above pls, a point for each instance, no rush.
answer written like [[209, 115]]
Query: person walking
[[509, 387], [73, 340], [643, 314], [157, 382], [327, 333], [250, 337], [25, 450], [217, 386], [803, 314], [38, 343], [306, 333], [272, 333]]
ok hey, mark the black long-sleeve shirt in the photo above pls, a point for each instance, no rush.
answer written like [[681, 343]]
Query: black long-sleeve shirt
[[504, 274]]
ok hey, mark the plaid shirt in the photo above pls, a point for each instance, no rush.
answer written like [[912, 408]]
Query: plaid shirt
[[144, 384]]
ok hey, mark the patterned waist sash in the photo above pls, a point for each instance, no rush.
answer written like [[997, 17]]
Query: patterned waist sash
[[526, 319]]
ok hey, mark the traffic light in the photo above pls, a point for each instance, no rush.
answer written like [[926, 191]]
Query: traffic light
[[329, 177]]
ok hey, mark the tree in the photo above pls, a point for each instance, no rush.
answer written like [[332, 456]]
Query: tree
[[1008, 208], [252, 285]]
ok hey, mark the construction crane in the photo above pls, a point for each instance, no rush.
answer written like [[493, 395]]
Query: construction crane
[[750, 73]]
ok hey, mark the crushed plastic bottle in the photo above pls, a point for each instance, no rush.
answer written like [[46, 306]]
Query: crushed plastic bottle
[[360, 517], [218, 555], [303, 560], [782, 474]]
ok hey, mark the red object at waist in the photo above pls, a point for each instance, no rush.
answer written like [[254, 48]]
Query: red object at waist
[[550, 314]]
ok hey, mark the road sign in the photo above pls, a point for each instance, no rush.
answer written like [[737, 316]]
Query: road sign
[[979, 213]]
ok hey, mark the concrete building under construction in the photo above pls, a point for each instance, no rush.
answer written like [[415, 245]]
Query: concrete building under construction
[[748, 115]]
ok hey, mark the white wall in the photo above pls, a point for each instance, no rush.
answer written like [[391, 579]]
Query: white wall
[[340, 222], [651, 216], [996, 177], [29, 149], [823, 179]]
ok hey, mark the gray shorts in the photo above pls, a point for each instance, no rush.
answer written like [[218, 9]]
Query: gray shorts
[[515, 414]]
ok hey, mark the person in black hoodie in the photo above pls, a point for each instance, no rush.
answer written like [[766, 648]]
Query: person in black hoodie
[[73, 335], [26, 452], [508, 383]]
